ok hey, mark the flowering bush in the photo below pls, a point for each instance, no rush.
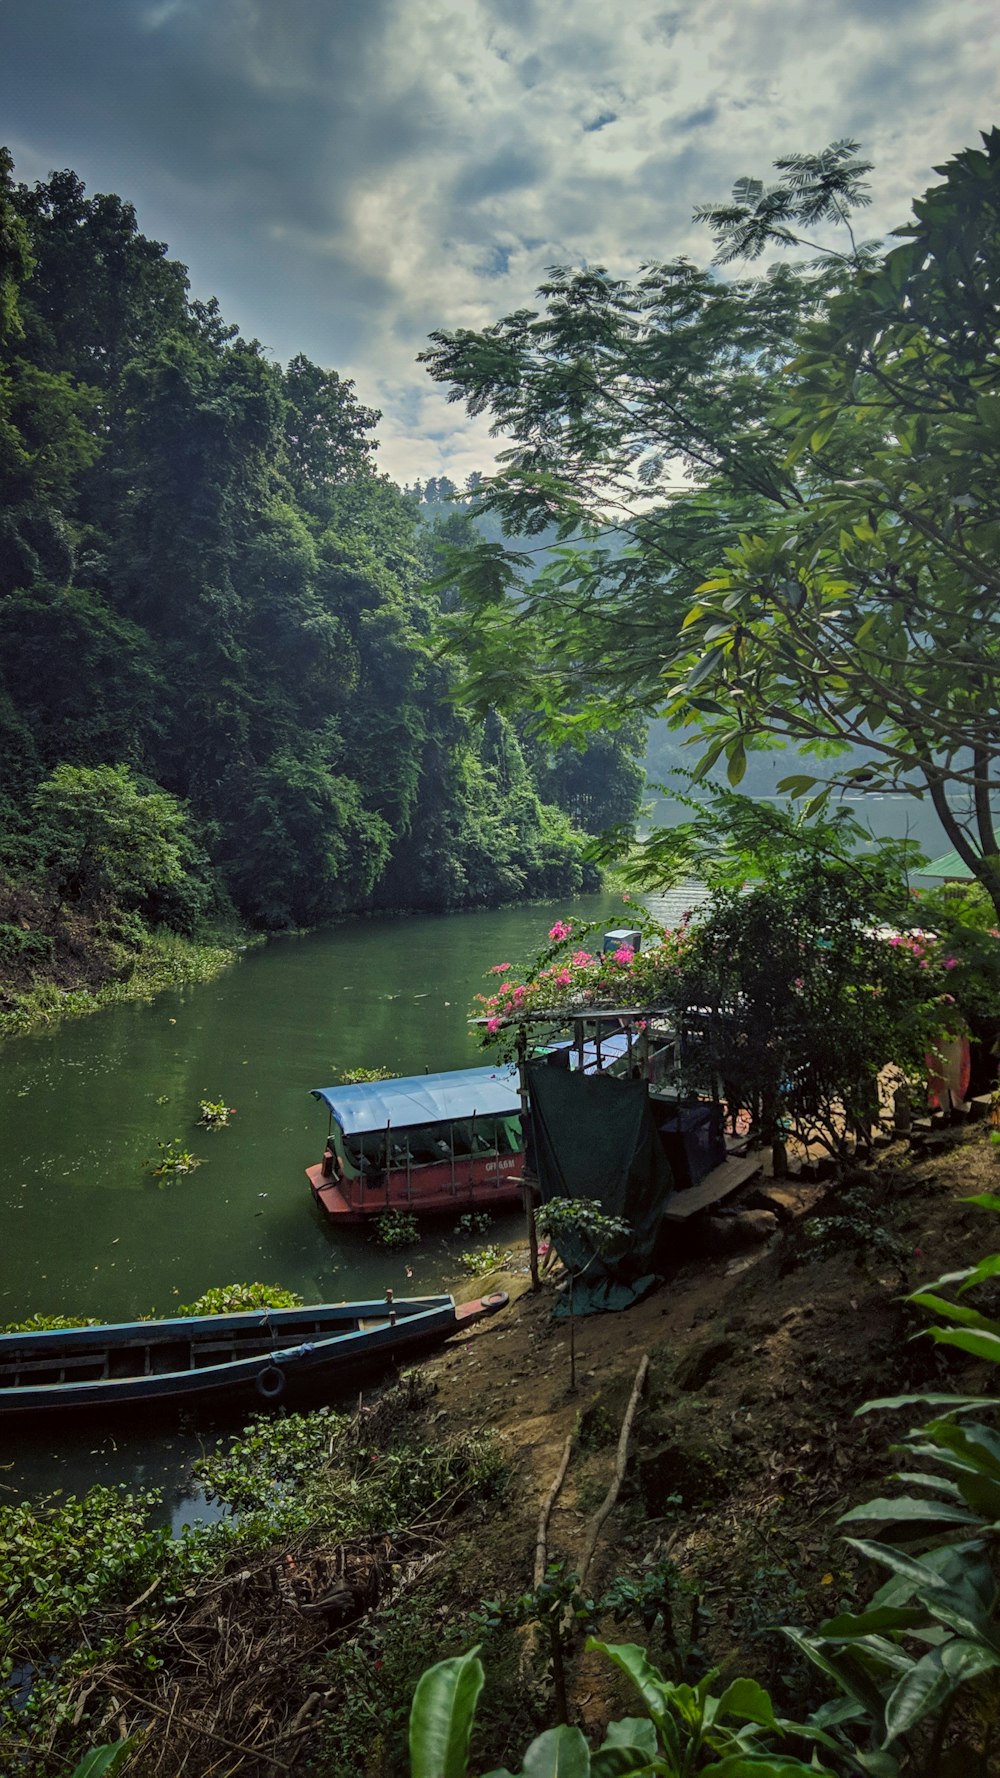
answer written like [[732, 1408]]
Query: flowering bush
[[802, 990]]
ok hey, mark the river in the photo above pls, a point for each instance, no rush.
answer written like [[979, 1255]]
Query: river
[[89, 1231]]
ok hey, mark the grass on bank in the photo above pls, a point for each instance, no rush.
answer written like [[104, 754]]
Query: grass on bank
[[166, 960]]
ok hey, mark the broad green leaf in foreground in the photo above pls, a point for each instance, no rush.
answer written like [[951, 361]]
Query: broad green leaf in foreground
[[442, 1715]]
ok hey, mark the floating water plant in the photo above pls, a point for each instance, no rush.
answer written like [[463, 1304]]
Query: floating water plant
[[174, 1159]]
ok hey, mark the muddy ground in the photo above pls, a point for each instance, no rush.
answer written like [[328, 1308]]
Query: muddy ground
[[747, 1447]]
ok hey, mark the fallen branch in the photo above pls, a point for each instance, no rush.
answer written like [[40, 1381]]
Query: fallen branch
[[621, 1460], [212, 1734], [541, 1542]]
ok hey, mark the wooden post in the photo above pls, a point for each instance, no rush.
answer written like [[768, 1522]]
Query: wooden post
[[528, 1191], [527, 1182]]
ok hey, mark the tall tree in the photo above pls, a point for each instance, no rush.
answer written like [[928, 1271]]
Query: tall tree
[[804, 466]]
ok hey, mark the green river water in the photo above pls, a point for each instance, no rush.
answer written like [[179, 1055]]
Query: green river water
[[86, 1228]]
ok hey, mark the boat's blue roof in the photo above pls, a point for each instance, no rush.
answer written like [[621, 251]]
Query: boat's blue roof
[[422, 1099]]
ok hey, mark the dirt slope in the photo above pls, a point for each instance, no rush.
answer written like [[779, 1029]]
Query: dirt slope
[[747, 1448]]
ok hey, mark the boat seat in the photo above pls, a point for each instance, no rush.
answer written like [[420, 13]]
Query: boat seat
[[93, 1361]]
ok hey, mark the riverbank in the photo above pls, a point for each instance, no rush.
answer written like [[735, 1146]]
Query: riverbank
[[81, 974], [745, 1453]]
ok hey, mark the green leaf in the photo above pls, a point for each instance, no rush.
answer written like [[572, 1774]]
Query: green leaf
[[619, 1762], [632, 1731], [873, 1622], [931, 1683], [976, 1446], [104, 1762], [763, 1765], [957, 1403], [856, 1684], [939, 1305], [987, 1268], [559, 1753], [745, 1699], [705, 667], [655, 1692], [906, 1509], [911, 1568], [967, 1339], [736, 769], [442, 1717]]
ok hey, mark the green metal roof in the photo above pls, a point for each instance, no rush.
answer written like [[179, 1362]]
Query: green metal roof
[[950, 867]]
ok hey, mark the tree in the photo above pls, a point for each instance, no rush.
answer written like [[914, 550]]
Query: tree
[[803, 470], [104, 837], [326, 429]]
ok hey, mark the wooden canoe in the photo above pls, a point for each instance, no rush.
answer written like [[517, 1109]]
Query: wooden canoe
[[259, 1357]]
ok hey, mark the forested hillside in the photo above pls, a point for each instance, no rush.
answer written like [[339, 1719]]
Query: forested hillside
[[218, 690]]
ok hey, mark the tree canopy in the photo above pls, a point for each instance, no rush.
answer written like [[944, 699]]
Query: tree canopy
[[776, 494], [216, 616]]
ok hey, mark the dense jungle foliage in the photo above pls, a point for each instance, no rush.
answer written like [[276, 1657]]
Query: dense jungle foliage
[[217, 689]]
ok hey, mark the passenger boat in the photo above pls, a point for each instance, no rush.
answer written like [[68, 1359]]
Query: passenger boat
[[421, 1143], [261, 1356], [428, 1143]]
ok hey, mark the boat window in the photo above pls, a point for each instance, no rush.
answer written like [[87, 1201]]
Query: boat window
[[427, 1144], [509, 1134]]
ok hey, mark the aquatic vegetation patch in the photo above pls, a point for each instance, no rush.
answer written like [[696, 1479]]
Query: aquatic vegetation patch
[[231, 1299]]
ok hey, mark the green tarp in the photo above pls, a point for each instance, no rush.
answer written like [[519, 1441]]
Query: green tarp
[[594, 1137]]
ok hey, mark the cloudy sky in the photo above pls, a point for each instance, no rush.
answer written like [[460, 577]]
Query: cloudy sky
[[345, 175]]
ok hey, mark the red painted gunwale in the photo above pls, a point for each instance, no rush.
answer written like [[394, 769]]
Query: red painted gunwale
[[484, 1183]]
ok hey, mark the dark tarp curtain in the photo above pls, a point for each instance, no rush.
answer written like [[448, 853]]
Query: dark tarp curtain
[[594, 1137]]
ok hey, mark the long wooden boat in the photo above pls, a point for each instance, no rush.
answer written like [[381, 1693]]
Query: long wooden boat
[[263, 1356]]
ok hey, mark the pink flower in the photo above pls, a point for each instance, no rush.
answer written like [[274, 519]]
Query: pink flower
[[563, 979], [580, 959], [499, 969], [624, 954], [519, 993], [951, 963], [492, 1025], [561, 929]]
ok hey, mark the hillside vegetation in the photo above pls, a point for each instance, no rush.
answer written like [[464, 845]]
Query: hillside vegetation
[[219, 702]]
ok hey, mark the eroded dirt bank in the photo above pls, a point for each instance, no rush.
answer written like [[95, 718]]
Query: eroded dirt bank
[[747, 1448]]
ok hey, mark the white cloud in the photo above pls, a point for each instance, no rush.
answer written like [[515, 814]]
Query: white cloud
[[347, 177]]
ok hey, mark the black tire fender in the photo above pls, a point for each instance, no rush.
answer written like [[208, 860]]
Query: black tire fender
[[271, 1383]]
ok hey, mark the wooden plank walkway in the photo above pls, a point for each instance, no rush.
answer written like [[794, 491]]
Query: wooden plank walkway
[[714, 1188]]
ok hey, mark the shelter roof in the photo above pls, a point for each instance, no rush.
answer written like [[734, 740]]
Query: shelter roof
[[422, 1099], [950, 867]]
